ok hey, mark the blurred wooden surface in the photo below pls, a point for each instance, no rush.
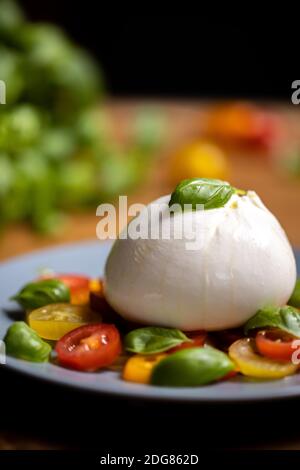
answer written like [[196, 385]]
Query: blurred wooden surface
[[280, 193]]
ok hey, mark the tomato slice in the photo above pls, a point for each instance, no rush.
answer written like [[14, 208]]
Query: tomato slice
[[249, 363], [275, 344], [89, 347], [79, 286], [198, 339], [55, 320]]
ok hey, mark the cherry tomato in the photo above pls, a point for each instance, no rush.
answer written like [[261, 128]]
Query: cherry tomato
[[55, 320], [244, 123], [230, 375], [79, 286], [249, 363], [89, 347], [74, 281], [199, 158], [275, 344], [139, 368], [198, 339]]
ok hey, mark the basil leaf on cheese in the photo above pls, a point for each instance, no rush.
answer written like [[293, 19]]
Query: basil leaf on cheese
[[210, 193]]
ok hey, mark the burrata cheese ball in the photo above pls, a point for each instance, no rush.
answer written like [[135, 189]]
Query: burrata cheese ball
[[239, 262]]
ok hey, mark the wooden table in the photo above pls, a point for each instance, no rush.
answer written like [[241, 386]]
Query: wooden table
[[279, 192]]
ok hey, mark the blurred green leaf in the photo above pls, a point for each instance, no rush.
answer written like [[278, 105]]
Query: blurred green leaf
[[92, 127], [46, 45], [118, 173], [292, 163], [58, 144], [15, 206], [11, 73], [64, 77], [6, 174], [148, 128], [11, 19], [78, 79], [56, 148], [19, 127], [76, 181]]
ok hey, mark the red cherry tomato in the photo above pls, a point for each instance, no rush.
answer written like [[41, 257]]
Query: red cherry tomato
[[75, 282], [89, 347], [244, 124], [79, 286], [275, 344], [228, 376], [198, 339]]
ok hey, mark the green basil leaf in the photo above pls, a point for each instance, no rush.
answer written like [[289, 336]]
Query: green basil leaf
[[285, 318], [152, 340], [23, 342], [192, 367], [295, 297], [211, 193], [44, 292]]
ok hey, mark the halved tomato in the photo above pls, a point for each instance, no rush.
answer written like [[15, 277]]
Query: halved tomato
[[55, 320], [249, 363], [276, 344], [89, 347]]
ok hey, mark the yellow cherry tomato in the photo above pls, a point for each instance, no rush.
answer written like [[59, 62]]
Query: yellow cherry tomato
[[55, 320], [199, 159], [139, 368], [250, 363]]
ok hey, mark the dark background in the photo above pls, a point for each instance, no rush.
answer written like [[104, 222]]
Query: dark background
[[183, 55]]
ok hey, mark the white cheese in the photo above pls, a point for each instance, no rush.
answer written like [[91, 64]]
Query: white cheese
[[243, 261]]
